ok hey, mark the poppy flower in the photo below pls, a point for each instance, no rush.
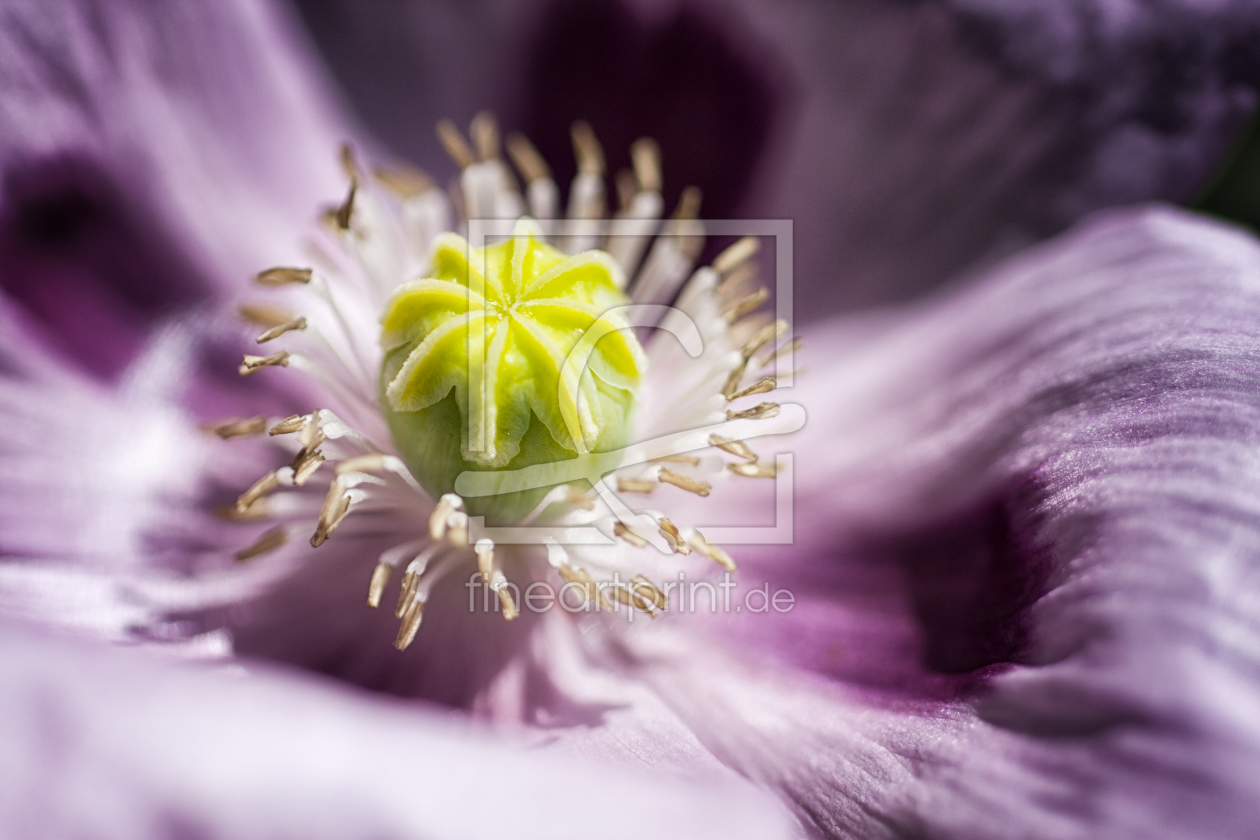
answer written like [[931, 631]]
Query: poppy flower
[[1018, 591]]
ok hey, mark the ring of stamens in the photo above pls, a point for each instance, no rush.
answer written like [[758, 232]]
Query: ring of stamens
[[368, 479]]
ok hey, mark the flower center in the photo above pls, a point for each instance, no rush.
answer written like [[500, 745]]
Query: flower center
[[509, 370], [504, 357]]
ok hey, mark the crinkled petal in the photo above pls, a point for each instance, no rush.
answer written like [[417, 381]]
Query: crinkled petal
[[106, 497], [1024, 576], [152, 158]]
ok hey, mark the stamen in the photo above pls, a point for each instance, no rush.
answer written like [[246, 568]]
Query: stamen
[[411, 583], [688, 210], [755, 342], [745, 305], [311, 434], [541, 192], [336, 506], [673, 253], [745, 328], [713, 552], [590, 155], [410, 625], [554, 496], [308, 458], [457, 528], [688, 204], [735, 447], [455, 144], [632, 598], [654, 594], [623, 595], [237, 427], [494, 578], [578, 499], [645, 154], [641, 206], [305, 465], [690, 236], [251, 364], [448, 504], [627, 185], [380, 577], [527, 158], [790, 347], [255, 512], [754, 470], [738, 280], [764, 336], [499, 584], [280, 329], [690, 460], [672, 536], [458, 204], [635, 485], [586, 584], [764, 385], [349, 165], [485, 135], [283, 276], [263, 315], [620, 529], [256, 491], [362, 463], [289, 425], [556, 555], [586, 195], [691, 485], [268, 542], [404, 180], [346, 208], [737, 254], [762, 411], [485, 558], [734, 378]]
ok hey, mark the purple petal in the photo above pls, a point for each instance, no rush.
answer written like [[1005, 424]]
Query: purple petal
[[107, 493], [113, 744], [1024, 577], [151, 157]]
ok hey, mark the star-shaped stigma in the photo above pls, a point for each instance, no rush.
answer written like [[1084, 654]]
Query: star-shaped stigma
[[528, 342]]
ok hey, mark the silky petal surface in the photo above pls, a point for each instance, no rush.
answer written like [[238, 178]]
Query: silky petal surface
[[113, 744], [152, 159], [1025, 566]]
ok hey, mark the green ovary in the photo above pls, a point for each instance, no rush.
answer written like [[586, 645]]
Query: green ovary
[[508, 317]]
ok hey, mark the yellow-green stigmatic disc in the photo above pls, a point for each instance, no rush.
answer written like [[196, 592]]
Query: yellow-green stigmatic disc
[[539, 332]]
